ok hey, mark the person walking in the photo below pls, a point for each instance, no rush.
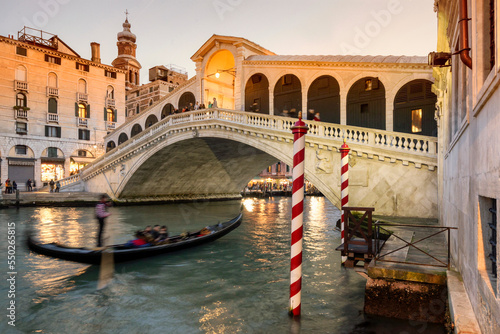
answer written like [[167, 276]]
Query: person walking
[[101, 214], [58, 186], [51, 184], [214, 105], [29, 186], [14, 186]]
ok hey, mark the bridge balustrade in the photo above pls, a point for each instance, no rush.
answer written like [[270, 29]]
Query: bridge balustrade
[[392, 141]]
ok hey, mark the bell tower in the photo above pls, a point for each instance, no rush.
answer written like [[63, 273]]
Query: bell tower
[[126, 55]]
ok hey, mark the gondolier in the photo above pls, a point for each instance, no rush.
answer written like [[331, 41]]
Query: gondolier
[[101, 214]]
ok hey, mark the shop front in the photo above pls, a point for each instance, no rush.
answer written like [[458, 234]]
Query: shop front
[[20, 170], [77, 163], [52, 169]]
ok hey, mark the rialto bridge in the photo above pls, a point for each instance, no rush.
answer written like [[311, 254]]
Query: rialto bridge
[[382, 105], [213, 153]]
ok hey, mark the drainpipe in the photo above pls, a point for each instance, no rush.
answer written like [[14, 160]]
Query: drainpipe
[[464, 35]]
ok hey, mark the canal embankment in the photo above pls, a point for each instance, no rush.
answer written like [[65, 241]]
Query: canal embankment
[[411, 277]]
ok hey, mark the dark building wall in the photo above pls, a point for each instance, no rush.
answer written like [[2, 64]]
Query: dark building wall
[[416, 94], [324, 97], [257, 94], [287, 95], [366, 104]]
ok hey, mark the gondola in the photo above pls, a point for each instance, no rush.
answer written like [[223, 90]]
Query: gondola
[[122, 253]]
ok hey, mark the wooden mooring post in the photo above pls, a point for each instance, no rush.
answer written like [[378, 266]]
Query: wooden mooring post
[[358, 243]]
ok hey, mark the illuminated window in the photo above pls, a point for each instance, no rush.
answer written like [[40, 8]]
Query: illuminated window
[[82, 110], [416, 120], [110, 115]]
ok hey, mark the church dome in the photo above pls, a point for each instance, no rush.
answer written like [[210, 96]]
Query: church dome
[[126, 34]]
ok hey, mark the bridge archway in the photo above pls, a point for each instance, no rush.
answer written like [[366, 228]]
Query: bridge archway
[[366, 104], [152, 119], [110, 145], [168, 109], [414, 106], [288, 96], [186, 99], [257, 94], [136, 129], [219, 78], [122, 138], [324, 97]]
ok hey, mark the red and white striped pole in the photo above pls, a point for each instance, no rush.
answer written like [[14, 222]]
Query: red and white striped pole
[[299, 131], [344, 187]]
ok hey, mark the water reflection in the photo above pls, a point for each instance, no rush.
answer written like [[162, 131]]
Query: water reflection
[[237, 284]]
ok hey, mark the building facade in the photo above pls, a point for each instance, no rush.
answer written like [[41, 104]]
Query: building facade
[[469, 146], [163, 81], [55, 107]]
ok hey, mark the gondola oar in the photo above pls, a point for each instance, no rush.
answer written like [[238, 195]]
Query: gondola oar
[[107, 268]]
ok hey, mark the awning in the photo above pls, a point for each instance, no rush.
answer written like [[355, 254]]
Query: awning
[[82, 160], [21, 162], [53, 160]]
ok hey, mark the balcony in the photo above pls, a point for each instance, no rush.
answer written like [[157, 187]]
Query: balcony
[[110, 103], [20, 85], [82, 122], [21, 112], [52, 91], [82, 97], [52, 118], [110, 125]]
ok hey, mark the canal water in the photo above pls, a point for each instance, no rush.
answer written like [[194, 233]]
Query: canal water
[[237, 284]]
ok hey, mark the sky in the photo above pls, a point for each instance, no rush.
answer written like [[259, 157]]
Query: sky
[[171, 31]]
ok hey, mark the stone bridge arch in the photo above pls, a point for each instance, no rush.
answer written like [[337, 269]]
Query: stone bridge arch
[[218, 160]]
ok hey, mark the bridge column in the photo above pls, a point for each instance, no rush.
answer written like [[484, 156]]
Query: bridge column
[[271, 100], [201, 80], [389, 112], [304, 102], [343, 107], [239, 98]]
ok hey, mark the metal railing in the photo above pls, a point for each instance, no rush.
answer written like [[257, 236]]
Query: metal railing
[[442, 229]]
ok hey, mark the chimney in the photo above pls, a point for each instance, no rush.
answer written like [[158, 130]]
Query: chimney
[[96, 52]]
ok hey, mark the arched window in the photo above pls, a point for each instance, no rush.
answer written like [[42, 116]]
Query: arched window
[[136, 129], [52, 105], [110, 145], [82, 86], [110, 93], [21, 73], [150, 121], [122, 138], [186, 99], [52, 80], [82, 110], [21, 100], [168, 109]]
